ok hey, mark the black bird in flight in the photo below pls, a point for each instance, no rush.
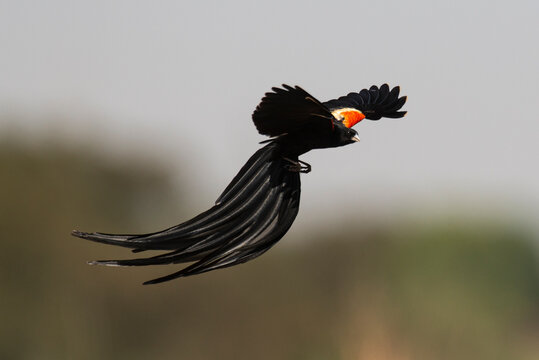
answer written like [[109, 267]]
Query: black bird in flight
[[260, 204]]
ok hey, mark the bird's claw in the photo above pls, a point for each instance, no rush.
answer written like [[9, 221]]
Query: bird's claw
[[297, 166]]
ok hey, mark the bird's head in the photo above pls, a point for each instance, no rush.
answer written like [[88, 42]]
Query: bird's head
[[345, 135]]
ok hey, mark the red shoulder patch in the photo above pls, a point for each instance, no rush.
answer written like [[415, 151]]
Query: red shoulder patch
[[349, 116]]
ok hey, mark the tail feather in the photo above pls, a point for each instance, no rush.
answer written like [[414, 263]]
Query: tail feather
[[270, 229], [253, 213], [246, 172]]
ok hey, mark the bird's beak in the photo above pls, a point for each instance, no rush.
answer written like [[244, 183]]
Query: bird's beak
[[355, 138]]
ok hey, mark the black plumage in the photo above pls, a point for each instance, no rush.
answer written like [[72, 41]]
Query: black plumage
[[374, 103], [260, 204]]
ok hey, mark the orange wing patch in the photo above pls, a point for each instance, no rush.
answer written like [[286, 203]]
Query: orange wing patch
[[349, 116]]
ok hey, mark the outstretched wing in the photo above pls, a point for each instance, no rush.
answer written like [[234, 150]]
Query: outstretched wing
[[289, 110], [250, 216], [375, 103]]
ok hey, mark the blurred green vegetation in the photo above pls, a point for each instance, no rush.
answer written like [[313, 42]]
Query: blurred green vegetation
[[439, 290]]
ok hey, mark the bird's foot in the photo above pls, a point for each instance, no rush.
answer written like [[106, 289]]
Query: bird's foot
[[297, 166]]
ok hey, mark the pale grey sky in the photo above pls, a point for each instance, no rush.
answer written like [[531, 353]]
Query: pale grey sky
[[150, 73]]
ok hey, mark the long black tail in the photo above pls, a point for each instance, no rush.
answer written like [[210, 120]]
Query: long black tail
[[254, 212]]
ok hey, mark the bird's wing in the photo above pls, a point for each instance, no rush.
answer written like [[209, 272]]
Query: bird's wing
[[375, 103], [290, 110], [251, 215]]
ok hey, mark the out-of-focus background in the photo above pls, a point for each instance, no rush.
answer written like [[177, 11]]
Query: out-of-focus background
[[420, 242]]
